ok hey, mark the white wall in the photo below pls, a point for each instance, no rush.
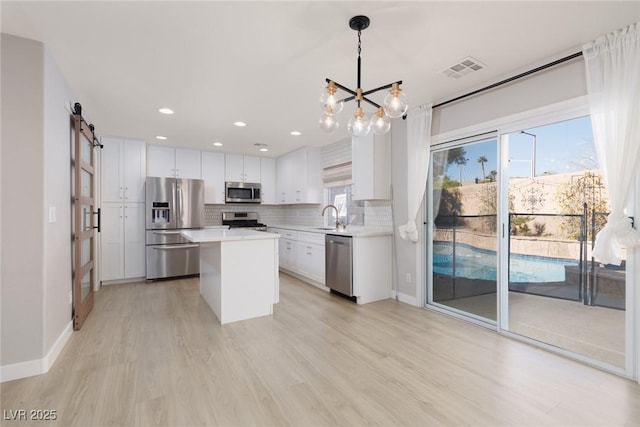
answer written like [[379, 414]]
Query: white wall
[[22, 200], [404, 251], [555, 84], [57, 189], [36, 261]]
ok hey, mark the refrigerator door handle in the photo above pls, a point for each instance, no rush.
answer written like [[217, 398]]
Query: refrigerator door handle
[[164, 233]]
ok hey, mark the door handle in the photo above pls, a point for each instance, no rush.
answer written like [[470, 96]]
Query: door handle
[[175, 247], [164, 233], [99, 218]]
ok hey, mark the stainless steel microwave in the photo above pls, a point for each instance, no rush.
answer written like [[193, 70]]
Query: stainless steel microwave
[[242, 192]]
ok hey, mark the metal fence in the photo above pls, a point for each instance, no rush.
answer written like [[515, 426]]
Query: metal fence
[[557, 236]]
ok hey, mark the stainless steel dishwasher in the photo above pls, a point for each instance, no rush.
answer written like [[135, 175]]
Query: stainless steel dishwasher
[[339, 263]]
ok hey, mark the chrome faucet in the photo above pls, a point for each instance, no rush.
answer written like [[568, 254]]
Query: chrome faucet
[[339, 225]]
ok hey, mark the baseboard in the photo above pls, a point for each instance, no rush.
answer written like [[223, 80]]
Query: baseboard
[[31, 368], [305, 279], [407, 299]]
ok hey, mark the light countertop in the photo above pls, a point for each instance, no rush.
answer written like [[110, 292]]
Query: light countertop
[[353, 231], [222, 235]]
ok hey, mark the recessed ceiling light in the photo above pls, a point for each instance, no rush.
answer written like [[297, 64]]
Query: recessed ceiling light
[[218, 144], [165, 110], [296, 133], [264, 149], [161, 137], [239, 124]]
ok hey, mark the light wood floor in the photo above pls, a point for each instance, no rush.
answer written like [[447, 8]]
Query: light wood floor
[[154, 354]]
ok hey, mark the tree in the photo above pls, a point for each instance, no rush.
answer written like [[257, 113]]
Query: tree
[[482, 160]]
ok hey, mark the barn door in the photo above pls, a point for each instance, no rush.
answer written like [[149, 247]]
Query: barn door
[[86, 219]]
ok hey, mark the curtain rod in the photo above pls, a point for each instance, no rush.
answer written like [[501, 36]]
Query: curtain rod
[[510, 79]]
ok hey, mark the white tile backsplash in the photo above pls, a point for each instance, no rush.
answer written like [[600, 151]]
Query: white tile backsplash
[[378, 214], [267, 214]]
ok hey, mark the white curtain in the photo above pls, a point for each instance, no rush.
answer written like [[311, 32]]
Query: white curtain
[[418, 149], [613, 83]]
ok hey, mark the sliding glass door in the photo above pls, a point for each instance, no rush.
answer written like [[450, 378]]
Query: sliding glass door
[[464, 196], [512, 221], [558, 203]]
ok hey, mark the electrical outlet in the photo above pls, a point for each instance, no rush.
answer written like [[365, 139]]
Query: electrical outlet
[[408, 278]]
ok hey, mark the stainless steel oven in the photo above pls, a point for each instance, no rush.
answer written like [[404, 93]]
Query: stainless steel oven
[[246, 220], [242, 192]]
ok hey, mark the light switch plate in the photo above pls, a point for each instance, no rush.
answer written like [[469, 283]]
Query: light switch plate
[[52, 214]]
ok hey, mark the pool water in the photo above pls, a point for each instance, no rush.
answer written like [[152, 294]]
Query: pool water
[[476, 263]]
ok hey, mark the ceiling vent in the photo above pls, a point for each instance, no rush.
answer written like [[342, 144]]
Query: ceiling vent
[[464, 67]]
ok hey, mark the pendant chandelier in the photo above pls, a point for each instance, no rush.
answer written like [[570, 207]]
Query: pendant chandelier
[[394, 104]]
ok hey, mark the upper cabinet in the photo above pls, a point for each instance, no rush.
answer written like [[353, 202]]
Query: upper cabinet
[[371, 167], [213, 176], [299, 177], [169, 162], [268, 180], [239, 168], [122, 169]]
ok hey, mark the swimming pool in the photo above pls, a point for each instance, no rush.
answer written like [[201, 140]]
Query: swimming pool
[[476, 263]]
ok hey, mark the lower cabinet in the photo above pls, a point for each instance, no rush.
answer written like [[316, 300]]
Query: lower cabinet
[[310, 257], [302, 254], [122, 241]]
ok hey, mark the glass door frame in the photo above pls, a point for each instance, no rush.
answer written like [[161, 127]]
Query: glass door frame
[[565, 110], [428, 301]]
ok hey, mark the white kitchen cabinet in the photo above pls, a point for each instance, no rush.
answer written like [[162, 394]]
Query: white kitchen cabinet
[[288, 250], [188, 164], [213, 176], [239, 168], [310, 256], [372, 268], [371, 167], [123, 167], [268, 180], [122, 241], [299, 177], [169, 162], [302, 254]]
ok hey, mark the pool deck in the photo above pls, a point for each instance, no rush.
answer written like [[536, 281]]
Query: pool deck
[[596, 332]]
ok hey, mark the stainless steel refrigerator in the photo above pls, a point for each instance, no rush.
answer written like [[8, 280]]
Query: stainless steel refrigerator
[[172, 204]]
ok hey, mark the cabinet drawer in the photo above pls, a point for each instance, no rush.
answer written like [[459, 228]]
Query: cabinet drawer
[[284, 233], [289, 234], [317, 238]]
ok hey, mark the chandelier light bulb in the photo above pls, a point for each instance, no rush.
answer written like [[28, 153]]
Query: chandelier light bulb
[[328, 100], [328, 123], [359, 125], [380, 123], [395, 103]]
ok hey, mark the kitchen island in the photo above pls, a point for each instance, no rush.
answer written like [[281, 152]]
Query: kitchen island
[[238, 272]]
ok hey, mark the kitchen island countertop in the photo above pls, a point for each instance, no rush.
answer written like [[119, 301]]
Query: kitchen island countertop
[[222, 235]]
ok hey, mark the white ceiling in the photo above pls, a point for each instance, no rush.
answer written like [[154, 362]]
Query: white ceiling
[[265, 62]]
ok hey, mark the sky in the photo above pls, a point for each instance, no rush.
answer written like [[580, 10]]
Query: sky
[[560, 147]]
